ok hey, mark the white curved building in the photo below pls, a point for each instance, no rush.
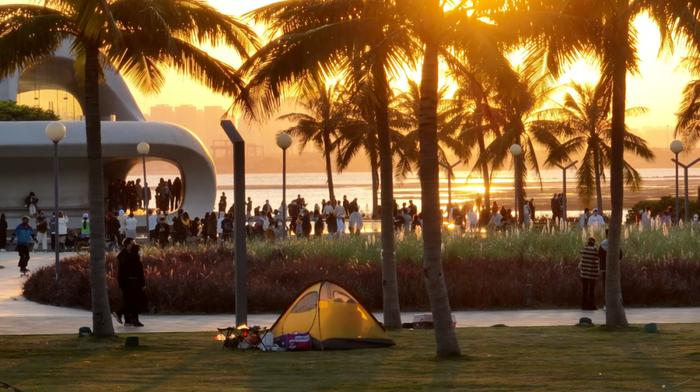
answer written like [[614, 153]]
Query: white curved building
[[26, 155]]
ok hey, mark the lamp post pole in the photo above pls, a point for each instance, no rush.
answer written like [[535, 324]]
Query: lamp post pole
[[517, 151], [239, 233], [144, 149], [55, 132], [449, 169], [676, 148], [685, 175], [284, 141], [563, 170]]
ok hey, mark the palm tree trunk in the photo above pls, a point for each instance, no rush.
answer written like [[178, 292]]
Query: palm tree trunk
[[446, 339], [390, 285], [598, 188], [101, 315], [375, 183], [485, 173], [329, 166], [615, 311]]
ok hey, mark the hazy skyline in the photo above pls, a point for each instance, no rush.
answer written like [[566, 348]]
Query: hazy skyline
[[658, 86]]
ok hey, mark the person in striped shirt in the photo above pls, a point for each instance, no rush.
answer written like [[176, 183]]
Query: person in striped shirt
[[589, 270]]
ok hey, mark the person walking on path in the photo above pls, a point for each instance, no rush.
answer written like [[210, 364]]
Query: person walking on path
[[589, 270], [25, 236], [132, 282], [3, 232]]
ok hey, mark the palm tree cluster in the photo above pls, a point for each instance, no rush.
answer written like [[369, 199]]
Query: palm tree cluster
[[365, 45]]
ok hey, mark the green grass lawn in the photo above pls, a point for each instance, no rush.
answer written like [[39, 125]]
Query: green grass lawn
[[556, 358]]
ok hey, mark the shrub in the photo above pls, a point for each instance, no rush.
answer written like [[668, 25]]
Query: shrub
[[515, 270]]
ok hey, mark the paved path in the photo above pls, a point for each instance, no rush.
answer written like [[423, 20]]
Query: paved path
[[19, 316]]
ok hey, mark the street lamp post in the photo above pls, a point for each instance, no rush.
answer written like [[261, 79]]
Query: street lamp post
[[517, 151], [449, 168], [676, 148], [685, 175], [239, 233], [55, 131], [284, 141], [563, 170], [144, 149]]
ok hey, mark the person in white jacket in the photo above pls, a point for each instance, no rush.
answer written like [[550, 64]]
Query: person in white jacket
[[62, 228], [131, 224]]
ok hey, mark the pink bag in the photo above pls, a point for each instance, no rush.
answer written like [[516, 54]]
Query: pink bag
[[295, 341]]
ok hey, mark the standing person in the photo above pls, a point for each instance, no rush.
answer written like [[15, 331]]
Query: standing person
[[62, 228], [527, 214], [267, 208], [554, 206], [340, 218], [121, 218], [162, 232], [211, 223], [583, 219], [31, 202], [132, 282], [25, 239], [3, 232], [85, 230], [227, 228], [602, 257], [355, 222], [42, 231], [131, 225], [589, 270], [596, 221], [152, 223], [112, 230], [248, 208], [179, 230], [222, 203], [318, 221], [177, 192]]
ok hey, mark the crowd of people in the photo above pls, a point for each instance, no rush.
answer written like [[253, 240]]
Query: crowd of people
[[494, 217], [128, 195]]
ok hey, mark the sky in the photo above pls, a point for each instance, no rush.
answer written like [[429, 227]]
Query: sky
[[658, 86]]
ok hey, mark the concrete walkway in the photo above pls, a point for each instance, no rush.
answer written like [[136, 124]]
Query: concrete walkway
[[19, 316]]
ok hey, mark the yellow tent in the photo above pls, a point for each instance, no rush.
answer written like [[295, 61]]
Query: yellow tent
[[333, 318]]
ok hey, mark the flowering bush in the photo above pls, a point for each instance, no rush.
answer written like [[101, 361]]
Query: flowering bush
[[498, 271]]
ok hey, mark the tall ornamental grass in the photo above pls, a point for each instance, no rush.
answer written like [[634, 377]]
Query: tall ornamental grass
[[526, 269]]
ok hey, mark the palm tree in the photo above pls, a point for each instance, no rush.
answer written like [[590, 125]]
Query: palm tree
[[583, 119], [406, 116], [688, 126], [318, 38], [560, 31], [136, 38], [321, 123], [520, 126], [362, 135], [476, 118], [440, 30]]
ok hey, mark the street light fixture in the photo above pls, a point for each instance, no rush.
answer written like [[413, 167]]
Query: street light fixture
[[685, 173], [564, 168], [517, 151], [55, 131], [144, 149], [284, 141], [676, 148]]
